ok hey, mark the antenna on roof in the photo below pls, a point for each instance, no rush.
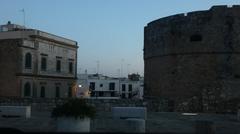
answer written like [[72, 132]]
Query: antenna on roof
[[23, 11], [122, 60], [98, 66], [128, 68]]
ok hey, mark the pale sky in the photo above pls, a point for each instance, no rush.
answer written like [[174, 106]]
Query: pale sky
[[108, 31]]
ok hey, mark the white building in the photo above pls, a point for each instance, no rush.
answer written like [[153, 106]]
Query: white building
[[101, 87], [131, 89]]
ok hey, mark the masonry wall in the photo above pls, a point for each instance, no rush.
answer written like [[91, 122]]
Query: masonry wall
[[49, 84], [102, 105], [49, 78], [52, 50], [187, 53], [9, 62]]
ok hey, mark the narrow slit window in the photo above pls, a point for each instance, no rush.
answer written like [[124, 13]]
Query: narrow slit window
[[195, 38]]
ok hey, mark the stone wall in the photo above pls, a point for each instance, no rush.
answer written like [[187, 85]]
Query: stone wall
[[185, 54], [51, 50], [14, 75], [9, 63], [102, 105]]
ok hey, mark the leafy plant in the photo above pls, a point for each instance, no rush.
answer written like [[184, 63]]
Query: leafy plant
[[77, 108]]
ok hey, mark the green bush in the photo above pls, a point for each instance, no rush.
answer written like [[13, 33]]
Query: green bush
[[77, 108]]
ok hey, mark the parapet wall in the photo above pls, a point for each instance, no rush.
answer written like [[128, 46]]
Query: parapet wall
[[203, 13]]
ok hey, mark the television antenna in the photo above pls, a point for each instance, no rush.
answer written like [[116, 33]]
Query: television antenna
[[24, 16], [98, 66]]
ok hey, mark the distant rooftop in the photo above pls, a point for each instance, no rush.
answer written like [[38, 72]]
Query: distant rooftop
[[11, 27], [102, 77]]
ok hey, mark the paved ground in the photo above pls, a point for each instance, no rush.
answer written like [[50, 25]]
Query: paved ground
[[176, 122], [39, 121], [156, 122]]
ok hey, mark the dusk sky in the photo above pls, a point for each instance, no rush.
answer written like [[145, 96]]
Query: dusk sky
[[108, 31]]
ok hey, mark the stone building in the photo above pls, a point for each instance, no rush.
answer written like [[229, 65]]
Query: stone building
[[187, 54], [35, 63]]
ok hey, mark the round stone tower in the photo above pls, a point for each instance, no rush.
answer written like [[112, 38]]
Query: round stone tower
[[185, 54]]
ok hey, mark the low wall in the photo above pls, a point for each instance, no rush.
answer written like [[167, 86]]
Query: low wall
[[118, 125], [104, 105]]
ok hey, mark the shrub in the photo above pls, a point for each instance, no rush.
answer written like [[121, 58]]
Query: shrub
[[77, 108]]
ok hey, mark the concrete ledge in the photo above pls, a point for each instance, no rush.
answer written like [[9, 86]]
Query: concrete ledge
[[22, 111], [129, 112], [118, 125]]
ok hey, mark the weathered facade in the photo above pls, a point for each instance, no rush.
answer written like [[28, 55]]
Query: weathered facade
[[35, 63], [187, 54]]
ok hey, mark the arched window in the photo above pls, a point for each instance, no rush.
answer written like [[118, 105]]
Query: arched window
[[27, 90], [28, 60]]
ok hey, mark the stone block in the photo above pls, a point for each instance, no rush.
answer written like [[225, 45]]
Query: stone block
[[22, 111], [122, 126], [129, 112]]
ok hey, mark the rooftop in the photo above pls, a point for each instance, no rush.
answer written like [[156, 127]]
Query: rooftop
[[14, 31]]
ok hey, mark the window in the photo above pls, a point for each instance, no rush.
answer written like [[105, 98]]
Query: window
[[171, 105], [123, 87], [111, 86], [92, 85], [129, 95], [129, 87], [57, 92], [70, 67], [42, 92], [101, 85], [58, 66], [100, 93], [237, 76], [93, 94], [112, 94], [123, 95], [44, 64], [69, 92], [27, 90], [195, 37], [28, 60]]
